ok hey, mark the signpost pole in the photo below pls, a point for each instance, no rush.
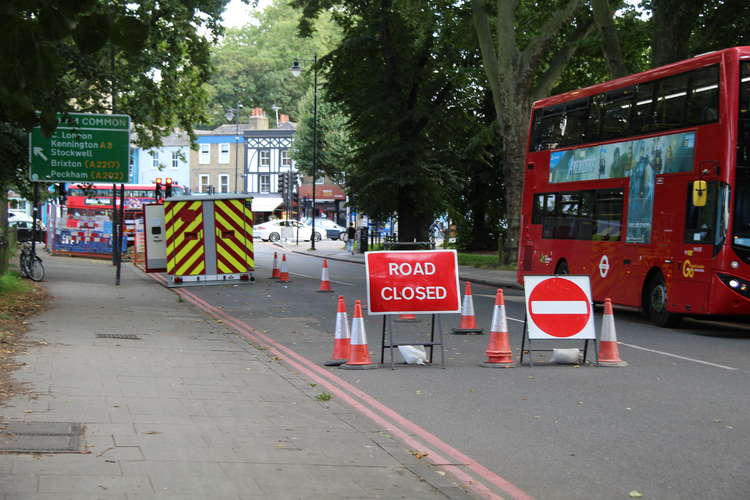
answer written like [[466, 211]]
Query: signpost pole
[[114, 224], [120, 218], [35, 217]]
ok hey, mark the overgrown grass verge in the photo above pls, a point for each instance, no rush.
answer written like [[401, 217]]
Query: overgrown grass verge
[[13, 283]]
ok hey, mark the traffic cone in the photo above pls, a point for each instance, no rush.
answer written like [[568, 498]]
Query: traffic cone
[[275, 271], [359, 353], [325, 283], [468, 324], [284, 274], [609, 354], [341, 337], [499, 354]]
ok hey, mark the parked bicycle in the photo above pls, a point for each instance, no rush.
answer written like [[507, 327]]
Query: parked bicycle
[[30, 264]]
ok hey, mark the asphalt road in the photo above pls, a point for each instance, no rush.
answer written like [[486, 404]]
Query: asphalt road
[[673, 424]]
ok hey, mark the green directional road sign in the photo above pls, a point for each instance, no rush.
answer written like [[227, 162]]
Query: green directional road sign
[[84, 148]]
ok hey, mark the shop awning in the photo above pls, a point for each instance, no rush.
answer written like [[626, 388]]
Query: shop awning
[[323, 192], [266, 204]]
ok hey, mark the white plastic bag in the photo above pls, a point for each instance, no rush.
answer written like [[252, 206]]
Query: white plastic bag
[[413, 354], [565, 356]]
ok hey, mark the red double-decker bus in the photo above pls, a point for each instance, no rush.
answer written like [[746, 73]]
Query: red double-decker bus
[[96, 199], [643, 183]]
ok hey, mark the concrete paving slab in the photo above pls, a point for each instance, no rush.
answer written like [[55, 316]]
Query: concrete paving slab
[[190, 411]]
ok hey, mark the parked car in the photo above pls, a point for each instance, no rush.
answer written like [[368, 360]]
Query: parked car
[[333, 231], [274, 230]]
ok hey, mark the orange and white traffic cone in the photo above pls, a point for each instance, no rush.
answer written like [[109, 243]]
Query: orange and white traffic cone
[[468, 324], [499, 354], [283, 274], [325, 282], [359, 353], [275, 271], [609, 354], [341, 337]]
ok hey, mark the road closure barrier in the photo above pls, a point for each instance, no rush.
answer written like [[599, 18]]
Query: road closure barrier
[[275, 272], [341, 339], [499, 354], [468, 323], [284, 273], [325, 282], [359, 352], [609, 354]]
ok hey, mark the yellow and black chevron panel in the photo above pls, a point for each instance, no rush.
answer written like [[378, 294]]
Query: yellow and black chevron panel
[[183, 221], [234, 236]]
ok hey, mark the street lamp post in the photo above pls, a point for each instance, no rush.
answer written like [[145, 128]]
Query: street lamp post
[[236, 113], [296, 69]]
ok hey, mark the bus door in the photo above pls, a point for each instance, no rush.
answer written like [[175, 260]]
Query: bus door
[[705, 231], [606, 266]]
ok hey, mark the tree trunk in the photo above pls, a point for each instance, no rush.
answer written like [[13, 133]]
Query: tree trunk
[[610, 42], [5, 250], [514, 138], [673, 22]]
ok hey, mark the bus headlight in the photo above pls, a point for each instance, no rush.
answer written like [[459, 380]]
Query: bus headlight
[[734, 264], [736, 284]]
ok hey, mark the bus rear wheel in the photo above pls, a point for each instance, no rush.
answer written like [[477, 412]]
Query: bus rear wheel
[[655, 303]]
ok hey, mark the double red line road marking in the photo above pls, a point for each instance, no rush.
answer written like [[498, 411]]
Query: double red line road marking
[[441, 454]]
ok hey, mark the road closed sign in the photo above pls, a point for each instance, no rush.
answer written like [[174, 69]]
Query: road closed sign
[[413, 282], [559, 307]]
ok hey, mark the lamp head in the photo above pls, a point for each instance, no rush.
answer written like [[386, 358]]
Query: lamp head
[[296, 69]]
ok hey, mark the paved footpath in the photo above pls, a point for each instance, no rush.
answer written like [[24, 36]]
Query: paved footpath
[[188, 410]]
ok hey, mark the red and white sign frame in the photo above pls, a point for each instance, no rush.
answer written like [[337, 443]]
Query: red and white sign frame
[[559, 307], [397, 280]]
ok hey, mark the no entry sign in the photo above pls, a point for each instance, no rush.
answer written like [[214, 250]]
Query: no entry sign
[[412, 282], [559, 307]]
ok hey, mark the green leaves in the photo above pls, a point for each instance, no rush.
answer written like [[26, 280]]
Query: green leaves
[[92, 32], [130, 34]]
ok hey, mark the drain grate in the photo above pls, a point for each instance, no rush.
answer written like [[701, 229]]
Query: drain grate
[[42, 437], [123, 336]]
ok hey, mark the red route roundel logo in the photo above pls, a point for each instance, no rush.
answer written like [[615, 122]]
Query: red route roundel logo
[[559, 307]]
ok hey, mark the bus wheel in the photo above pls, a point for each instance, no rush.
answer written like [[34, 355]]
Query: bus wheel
[[562, 267], [655, 303]]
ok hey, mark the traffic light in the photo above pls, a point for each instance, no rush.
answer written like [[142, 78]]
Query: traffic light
[[158, 188], [283, 184], [62, 193], [168, 187]]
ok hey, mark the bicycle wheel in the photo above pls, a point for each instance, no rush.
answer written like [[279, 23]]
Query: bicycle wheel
[[36, 271], [22, 266]]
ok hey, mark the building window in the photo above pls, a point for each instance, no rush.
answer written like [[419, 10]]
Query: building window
[[223, 183], [224, 152], [205, 154], [264, 183], [154, 159], [265, 158], [175, 159], [286, 161], [203, 183]]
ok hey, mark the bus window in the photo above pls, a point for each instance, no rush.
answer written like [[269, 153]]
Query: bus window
[[549, 124], [616, 113], [703, 102], [743, 139], [670, 104], [608, 215], [576, 120], [643, 110], [707, 224]]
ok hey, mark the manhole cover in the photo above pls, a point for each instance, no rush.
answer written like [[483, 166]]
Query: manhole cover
[[123, 336], [42, 437]]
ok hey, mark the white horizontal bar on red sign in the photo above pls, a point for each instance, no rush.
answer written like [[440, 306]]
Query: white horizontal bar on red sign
[[559, 307]]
